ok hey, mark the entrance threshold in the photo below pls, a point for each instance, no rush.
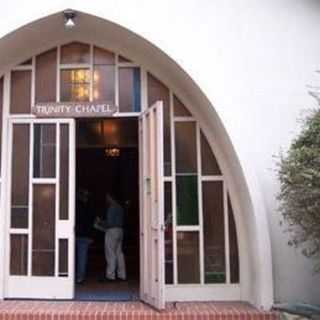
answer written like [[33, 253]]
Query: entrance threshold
[[77, 310]]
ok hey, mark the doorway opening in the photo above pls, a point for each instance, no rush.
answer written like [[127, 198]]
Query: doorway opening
[[107, 161]]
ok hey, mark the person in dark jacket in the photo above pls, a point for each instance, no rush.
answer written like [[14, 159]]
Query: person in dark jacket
[[84, 225]]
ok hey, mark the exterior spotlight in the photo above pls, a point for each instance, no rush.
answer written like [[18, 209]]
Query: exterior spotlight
[[69, 16]]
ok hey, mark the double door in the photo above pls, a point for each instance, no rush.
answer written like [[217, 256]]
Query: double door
[[40, 202]]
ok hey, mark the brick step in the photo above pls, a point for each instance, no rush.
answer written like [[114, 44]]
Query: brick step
[[61, 310]]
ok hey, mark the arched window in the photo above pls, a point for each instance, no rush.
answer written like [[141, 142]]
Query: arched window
[[201, 245]]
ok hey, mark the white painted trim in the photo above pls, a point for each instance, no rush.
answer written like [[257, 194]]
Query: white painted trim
[[188, 229], [160, 300], [212, 178], [72, 203], [144, 90], [33, 82], [141, 205], [200, 213], [57, 199], [7, 201], [58, 83], [19, 231], [184, 119], [126, 115], [91, 86], [28, 287], [30, 211], [226, 233], [20, 116], [116, 82], [4, 183], [27, 120], [173, 193], [128, 65], [28, 67], [44, 180], [197, 292], [194, 174], [75, 66]]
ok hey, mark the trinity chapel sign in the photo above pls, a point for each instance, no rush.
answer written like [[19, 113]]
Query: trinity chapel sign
[[73, 109]]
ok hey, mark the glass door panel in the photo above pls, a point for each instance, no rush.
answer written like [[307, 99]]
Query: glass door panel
[[41, 232], [153, 249], [20, 176]]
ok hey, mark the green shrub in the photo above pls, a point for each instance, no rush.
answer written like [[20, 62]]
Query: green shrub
[[299, 175]]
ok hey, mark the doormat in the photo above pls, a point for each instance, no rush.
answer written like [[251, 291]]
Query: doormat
[[106, 296]]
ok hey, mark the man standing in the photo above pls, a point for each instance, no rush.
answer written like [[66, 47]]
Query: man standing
[[113, 240], [84, 222]]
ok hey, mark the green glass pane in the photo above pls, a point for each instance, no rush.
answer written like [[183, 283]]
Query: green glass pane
[[187, 200]]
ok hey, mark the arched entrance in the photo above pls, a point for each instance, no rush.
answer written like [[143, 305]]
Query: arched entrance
[[193, 118]]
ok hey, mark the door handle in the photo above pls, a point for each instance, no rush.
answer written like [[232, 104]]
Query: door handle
[[162, 228]]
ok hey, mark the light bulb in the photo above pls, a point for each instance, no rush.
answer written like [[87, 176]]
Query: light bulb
[[69, 24], [69, 16]]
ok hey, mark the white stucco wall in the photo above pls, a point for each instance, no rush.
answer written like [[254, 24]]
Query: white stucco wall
[[253, 59]]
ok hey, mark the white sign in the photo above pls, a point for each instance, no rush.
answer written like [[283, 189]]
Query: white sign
[[73, 109]]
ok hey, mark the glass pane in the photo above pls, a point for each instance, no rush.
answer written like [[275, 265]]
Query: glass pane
[[63, 257], [75, 85], [158, 91], [129, 90], [233, 243], [104, 84], [18, 254], [187, 200], [188, 257], [20, 176], [179, 108], [20, 92], [209, 162], [213, 231], [43, 240], [19, 216], [168, 232], [186, 147], [1, 108], [44, 148], [46, 76], [75, 53], [64, 172], [102, 56]]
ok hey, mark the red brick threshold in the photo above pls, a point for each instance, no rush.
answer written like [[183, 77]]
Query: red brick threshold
[[60, 310]]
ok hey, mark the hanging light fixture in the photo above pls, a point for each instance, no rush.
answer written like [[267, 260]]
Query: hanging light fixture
[[112, 152], [69, 17]]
